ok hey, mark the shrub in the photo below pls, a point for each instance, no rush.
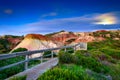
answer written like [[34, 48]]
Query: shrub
[[81, 51], [65, 57], [49, 54], [19, 78], [115, 72], [112, 52], [4, 46], [20, 49], [97, 76], [13, 70], [63, 74], [90, 62], [69, 50], [81, 59], [98, 55]]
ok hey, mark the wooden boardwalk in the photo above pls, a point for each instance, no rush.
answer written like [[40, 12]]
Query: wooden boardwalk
[[34, 72]]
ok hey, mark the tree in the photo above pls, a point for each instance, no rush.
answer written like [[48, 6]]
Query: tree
[[20, 50]]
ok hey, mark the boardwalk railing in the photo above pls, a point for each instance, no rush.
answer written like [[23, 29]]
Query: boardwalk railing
[[28, 53]]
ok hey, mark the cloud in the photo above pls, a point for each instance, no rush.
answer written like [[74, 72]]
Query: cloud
[[75, 24], [106, 19], [8, 11], [81, 23], [49, 14], [46, 26]]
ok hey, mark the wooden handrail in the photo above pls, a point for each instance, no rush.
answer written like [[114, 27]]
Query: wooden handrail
[[26, 53], [6, 56]]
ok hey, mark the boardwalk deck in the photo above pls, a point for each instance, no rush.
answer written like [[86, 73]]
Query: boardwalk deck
[[34, 72]]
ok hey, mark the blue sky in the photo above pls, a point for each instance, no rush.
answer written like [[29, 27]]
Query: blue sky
[[20, 17]]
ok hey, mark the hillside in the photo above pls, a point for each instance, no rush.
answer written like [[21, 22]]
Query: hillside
[[8, 42], [69, 37], [37, 41], [100, 62]]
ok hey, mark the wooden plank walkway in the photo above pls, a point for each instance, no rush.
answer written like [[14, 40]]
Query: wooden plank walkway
[[34, 72]]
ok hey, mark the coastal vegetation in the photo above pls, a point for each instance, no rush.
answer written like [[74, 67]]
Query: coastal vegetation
[[100, 62]]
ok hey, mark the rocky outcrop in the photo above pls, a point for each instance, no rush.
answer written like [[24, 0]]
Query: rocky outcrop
[[36, 42], [14, 42], [63, 37]]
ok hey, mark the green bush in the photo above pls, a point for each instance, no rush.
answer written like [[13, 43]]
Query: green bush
[[91, 63], [69, 50], [65, 57], [81, 52], [13, 70], [98, 55], [115, 72], [63, 74], [111, 52], [49, 53], [20, 50], [16, 69], [4, 46], [19, 78], [95, 75], [81, 59]]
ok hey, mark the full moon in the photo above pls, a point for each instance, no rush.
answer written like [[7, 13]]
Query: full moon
[[106, 19]]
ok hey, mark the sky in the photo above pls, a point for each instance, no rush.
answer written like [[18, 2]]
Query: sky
[[21, 17]]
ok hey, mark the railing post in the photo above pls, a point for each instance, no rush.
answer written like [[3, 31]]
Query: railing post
[[52, 54], [74, 48], [65, 50], [26, 63], [42, 58]]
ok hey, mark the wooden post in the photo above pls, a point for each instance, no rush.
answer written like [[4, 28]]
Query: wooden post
[[65, 50], [74, 48], [42, 57], [26, 63], [52, 54]]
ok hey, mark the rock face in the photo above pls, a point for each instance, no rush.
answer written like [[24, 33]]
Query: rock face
[[70, 37], [36, 42], [14, 42], [8, 42], [84, 37], [64, 37]]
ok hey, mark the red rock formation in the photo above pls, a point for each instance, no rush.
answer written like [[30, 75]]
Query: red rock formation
[[85, 39], [63, 37], [14, 42], [36, 36], [101, 31], [38, 41], [35, 42]]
